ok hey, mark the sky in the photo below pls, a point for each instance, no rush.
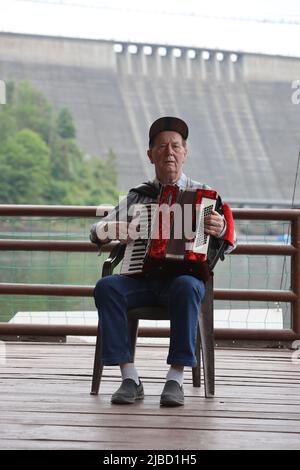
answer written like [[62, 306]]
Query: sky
[[269, 26]]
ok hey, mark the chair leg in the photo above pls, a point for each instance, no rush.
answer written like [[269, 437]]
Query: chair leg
[[207, 340], [98, 366], [196, 371], [133, 325]]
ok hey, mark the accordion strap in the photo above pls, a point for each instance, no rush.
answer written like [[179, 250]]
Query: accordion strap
[[147, 189]]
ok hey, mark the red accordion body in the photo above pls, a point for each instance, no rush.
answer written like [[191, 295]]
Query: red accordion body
[[173, 241]]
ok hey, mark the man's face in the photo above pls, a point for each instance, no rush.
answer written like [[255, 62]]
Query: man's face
[[168, 155]]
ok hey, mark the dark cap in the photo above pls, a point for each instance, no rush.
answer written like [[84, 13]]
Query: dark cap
[[168, 124]]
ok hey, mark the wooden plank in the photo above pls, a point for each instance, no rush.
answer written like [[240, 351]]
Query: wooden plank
[[116, 438], [195, 408], [165, 421], [45, 402]]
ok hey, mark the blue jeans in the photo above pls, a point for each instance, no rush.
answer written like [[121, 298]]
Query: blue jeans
[[182, 295]]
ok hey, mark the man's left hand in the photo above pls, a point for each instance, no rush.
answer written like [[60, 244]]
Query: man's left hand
[[213, 224]]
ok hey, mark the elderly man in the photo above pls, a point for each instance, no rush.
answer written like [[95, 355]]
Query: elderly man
[[181, 294]]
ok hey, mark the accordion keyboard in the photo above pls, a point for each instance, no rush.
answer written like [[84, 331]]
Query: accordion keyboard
[[201, 239], [136, 250]]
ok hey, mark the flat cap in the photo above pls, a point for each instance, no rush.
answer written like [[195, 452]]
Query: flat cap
[[168, 123]]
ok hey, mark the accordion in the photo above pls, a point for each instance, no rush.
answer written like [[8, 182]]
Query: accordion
[[170, 238]]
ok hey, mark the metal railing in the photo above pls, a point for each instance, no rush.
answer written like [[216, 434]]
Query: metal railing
[[292, 250]]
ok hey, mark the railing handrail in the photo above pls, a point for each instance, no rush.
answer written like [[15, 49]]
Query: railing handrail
[[99, 211], [87, 291], [86, 246], [55, 210]]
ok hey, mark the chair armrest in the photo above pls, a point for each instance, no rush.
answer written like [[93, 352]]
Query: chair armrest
[[115, 256]]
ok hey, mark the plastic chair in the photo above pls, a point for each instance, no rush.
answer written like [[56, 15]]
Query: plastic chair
[[205, 331]]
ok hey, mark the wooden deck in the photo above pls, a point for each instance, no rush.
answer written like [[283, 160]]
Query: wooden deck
[[45, 402]]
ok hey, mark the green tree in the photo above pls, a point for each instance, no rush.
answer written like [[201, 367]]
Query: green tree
[[10, 90], [103, 178], [32, 110], [65, 125], [40, 161], [8, 125], [66, 159], [24, 169]]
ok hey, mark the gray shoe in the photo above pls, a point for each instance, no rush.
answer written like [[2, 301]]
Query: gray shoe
[[172, 394], [128, 393]]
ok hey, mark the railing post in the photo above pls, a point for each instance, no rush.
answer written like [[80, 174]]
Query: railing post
[[295, 275]]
